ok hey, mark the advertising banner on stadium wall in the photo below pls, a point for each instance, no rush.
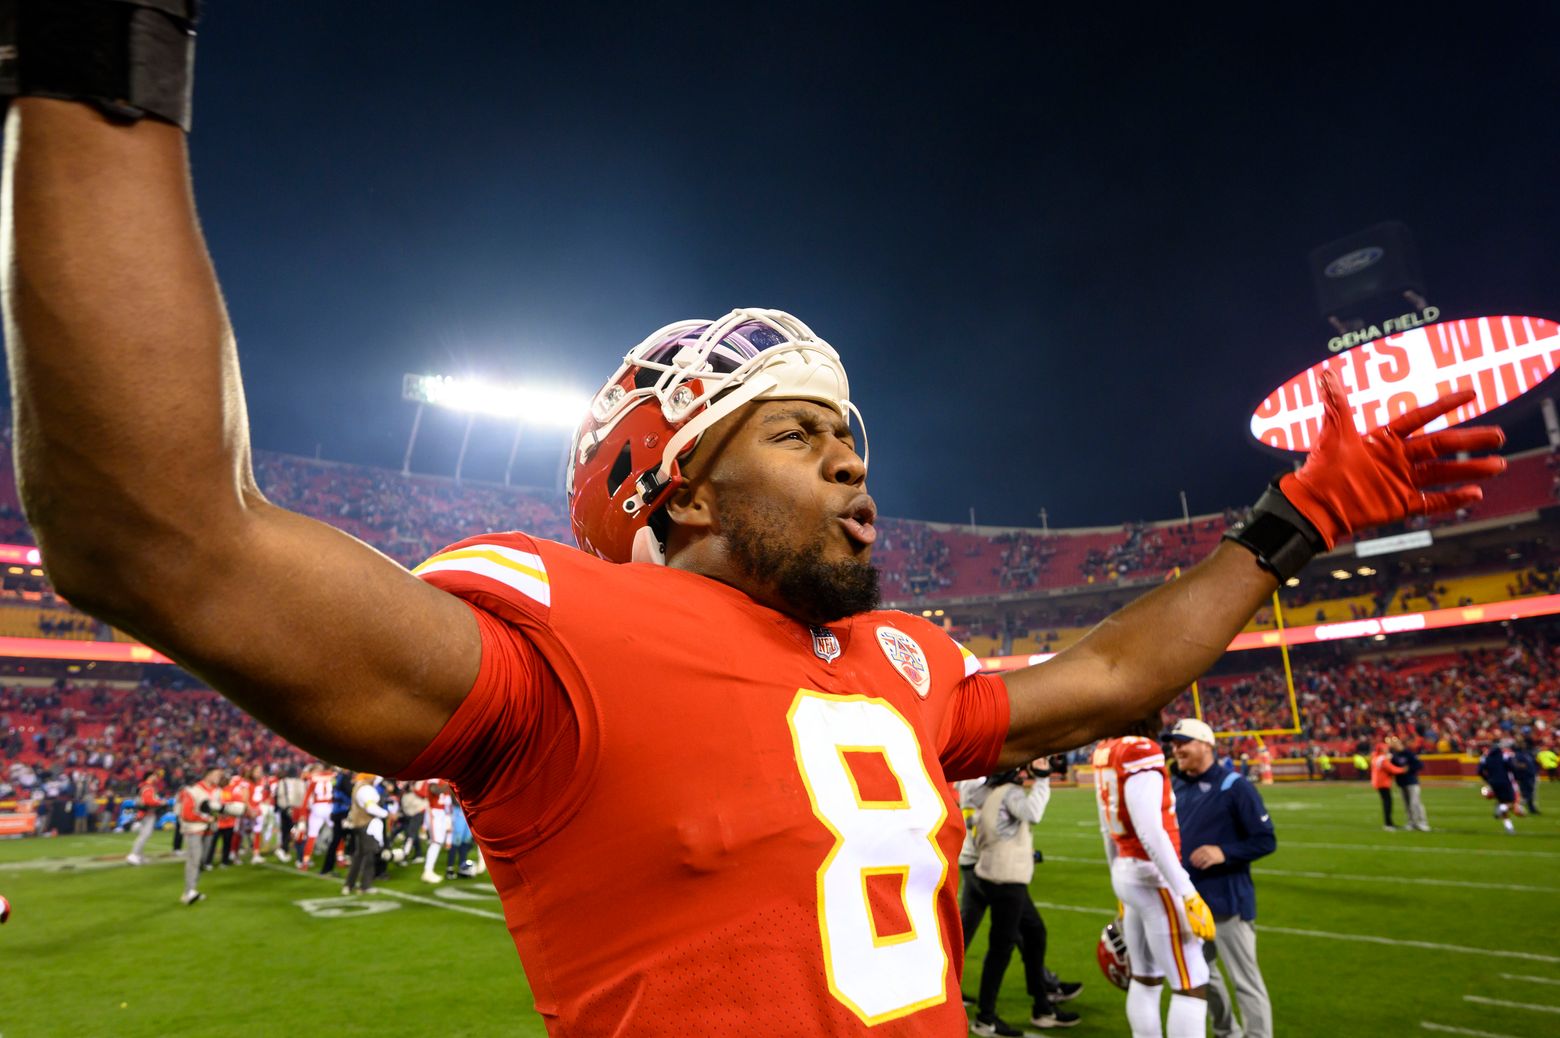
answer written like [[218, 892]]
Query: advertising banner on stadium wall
[[18, 824], [1499, 358], [68, 649]]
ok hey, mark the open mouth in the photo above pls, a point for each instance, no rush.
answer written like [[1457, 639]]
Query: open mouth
[[858, 519]]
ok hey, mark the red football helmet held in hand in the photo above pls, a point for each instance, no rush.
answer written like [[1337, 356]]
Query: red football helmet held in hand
[[1351, 482], [1111, 953]]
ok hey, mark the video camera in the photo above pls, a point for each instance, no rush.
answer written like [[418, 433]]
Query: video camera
[[1056, 764]]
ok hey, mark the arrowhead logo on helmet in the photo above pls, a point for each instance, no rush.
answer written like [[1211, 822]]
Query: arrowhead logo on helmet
[[647, 418]]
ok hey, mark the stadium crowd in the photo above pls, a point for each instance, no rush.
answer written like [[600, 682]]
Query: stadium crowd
[[1455, 702], [63, 748]]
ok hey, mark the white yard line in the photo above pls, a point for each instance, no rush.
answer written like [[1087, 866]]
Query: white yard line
[[86, 863], [1382, 878], [382, 891], [1363, 938], [1530, 980], [1481, 1000], [1444, 1029]]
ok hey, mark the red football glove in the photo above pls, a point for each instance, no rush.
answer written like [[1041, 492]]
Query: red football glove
[[1352, 482]]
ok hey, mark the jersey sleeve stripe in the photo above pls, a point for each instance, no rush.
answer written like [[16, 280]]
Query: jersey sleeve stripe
[[971, 661], [1156, 761], [520, 570]]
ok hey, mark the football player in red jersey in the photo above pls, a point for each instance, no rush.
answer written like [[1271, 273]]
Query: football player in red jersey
[[319, 793], [260, 819], [1163, 919], [807, 893]]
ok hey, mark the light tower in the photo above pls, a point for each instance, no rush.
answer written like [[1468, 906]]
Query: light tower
[[545, 406]]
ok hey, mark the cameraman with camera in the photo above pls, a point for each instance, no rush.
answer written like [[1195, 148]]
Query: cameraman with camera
[[1014, 801]]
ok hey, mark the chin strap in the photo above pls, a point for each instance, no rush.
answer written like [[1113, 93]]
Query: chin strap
[[647, 548]]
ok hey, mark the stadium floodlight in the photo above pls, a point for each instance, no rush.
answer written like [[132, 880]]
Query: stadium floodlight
[[534, 405]]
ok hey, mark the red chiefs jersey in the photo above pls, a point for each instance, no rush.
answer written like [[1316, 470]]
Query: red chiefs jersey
[[1115, 762], [260, 794], [767, 803], [322, 788], [436, 801], [150, 796], [236, 791]]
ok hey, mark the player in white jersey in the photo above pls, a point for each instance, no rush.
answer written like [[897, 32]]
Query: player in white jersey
[[320, 790], [440, 829], [1164, 920]]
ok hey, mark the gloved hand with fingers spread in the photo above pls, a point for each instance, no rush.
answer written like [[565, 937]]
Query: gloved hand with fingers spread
[[1351, 482], [1199, 917]]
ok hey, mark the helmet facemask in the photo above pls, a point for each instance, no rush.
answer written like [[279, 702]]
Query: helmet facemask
[[671, 389]]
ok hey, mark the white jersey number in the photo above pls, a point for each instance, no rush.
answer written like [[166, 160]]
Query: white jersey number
[[879, 977]]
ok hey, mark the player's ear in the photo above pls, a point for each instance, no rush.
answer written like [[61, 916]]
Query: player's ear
[[692, 505]]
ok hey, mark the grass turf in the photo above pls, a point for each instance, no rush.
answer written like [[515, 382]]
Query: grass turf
[[1361, 931]]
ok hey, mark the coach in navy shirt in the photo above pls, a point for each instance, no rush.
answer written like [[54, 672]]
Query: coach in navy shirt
[[1224, 828]]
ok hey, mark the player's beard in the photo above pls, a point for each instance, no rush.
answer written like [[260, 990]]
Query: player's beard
[[812, 589]]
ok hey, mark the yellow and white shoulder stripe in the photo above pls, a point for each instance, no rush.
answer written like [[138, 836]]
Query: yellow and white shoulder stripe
[[971, 661], [521, 570]]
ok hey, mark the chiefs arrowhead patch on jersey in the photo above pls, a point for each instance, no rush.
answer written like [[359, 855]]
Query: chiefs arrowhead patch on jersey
[[905, 654]]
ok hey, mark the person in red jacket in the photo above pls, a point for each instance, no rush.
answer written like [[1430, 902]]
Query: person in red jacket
[[148, 806], [1381, 771]]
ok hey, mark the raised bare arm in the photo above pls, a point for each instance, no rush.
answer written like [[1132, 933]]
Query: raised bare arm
[[132, 452], [1137, 659]]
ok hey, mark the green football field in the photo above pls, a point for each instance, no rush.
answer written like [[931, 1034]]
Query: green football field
[[1362, 931]]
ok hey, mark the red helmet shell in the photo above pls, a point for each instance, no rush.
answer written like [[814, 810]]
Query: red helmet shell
[[1111, 953], [603, 506]]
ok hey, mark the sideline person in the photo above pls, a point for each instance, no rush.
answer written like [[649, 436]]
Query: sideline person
[[199, 805], [1014, 802], [1164, 920], [1225, 826], [1382, 772], [149, 802], [1408, 782]]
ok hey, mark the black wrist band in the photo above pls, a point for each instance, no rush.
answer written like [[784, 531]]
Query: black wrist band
[[127, 58], [1280, 537]]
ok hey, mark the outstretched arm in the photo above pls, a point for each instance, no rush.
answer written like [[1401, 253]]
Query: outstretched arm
[[1140, 658], [1136, 659], [132, 453]]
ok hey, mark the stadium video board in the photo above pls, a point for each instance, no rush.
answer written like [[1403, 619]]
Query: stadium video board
[[1499, 358]]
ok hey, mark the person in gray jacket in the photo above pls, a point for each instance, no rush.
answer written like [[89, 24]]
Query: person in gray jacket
[[1005, 863]]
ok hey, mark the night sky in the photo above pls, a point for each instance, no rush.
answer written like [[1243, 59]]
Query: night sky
[[1062, 254]]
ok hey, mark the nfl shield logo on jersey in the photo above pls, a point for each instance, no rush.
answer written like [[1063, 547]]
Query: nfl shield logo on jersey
[[825, 645], [907, 658]]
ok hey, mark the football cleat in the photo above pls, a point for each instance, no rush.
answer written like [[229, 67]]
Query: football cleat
[[644, 423], [1111, 952]]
